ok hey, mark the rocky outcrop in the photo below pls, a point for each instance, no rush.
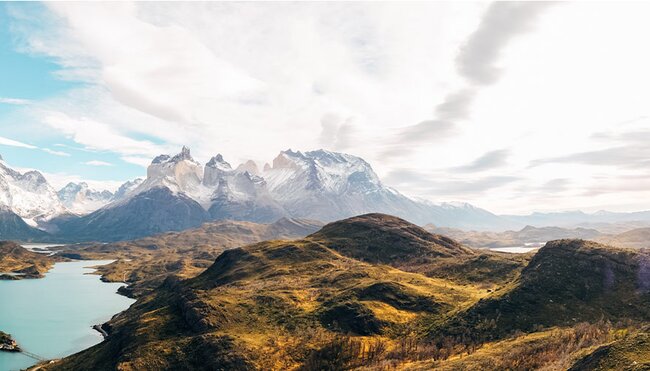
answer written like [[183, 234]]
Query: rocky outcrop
[[8, 344]]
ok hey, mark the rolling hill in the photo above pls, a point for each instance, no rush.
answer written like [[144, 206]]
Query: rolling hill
[[375, 291], [144, 263]]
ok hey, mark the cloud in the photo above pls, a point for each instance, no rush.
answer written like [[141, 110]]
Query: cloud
[[556, 185], [14, 143], [487, 161], [140, 161], [502, 22], [56, 153], [14, 101], [455, 107], [336, 132], [99, 136], [624, 148], [97, 163], [430, 184], [470, 186], [476, 62], [625, 156], [426, 131]]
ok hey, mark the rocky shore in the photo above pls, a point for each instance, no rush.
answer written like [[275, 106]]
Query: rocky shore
[[8, 344]]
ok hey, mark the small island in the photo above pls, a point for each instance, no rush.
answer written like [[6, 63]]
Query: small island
[[8, 344]]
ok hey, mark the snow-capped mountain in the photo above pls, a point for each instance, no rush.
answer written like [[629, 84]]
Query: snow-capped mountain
[[239, 194], [180, 193], [13, 227], [28, 195], [126, 188], [327, 185], [80, 199], [180, 174]]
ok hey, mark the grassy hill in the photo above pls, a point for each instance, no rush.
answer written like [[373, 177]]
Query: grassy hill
[[528, 234], [630, 353], [144, 263], [637, 238], [565, 283], [376, 292], [16, 259]]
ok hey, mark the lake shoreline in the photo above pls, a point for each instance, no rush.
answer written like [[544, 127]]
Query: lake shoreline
[[42, 333]]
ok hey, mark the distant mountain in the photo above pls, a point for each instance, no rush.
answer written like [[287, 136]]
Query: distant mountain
[[13, 227], [328, 186], [636, 238], [239, 194], [179, 193], [80, 199], [126, 188], [28, 195], [527, 235], [578, 218], [149, 212]]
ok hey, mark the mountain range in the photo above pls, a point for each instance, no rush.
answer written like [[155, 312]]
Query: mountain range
[[180, 193]]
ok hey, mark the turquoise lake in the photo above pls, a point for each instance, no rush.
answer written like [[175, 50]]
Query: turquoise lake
[[53, 316]]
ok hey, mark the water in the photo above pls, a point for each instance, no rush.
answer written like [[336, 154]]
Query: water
[[515, 249], [52, 316], [40, 247]]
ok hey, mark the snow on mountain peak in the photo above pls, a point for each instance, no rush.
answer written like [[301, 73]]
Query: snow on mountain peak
[[81, 199], [249, 166], [126, 188], [294, 173], [179, 173], [217, 162], [29, 195], [184, 155]]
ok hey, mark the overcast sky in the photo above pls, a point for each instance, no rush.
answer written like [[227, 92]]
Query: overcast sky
[[514, 107]]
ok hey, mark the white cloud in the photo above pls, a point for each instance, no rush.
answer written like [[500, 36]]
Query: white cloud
[[56, 153], [141, 161], [14, 101], [97, 163], [97, 135], [14, 143]]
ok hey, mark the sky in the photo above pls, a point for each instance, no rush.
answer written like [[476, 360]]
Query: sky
[[513, 107]]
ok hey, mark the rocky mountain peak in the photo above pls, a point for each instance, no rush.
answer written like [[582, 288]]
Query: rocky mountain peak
[[35, 177], [127, 188], [249, 166], [183, 155], [217, 162]]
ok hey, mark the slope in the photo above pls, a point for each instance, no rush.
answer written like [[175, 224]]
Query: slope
[[144, 263], [280, 304], [566, 282]]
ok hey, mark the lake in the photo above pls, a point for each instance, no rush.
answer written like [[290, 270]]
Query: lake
[[514, 249], [53, 316]]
